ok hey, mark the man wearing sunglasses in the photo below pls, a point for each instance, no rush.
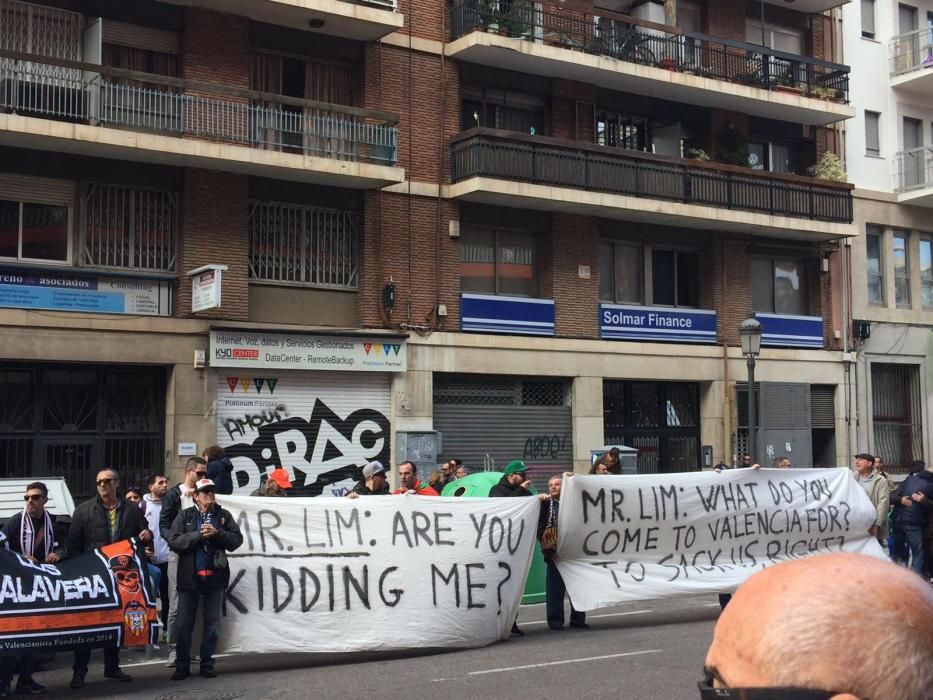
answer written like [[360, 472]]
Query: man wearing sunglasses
[[32, 535], [826, 627], [103, 520], [179, 497]]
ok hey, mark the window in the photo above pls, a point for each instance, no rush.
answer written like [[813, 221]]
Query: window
[[897, 421], [629, 274], [874, 264], [502, 109], [494, 261], [305, 245], [771, 156], [128, 228], [36, 232], [868, 19], [926, 272], [779, 286], [872, 133], [621, 131], [901, 269]]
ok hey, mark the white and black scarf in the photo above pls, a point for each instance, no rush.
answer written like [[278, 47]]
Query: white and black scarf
[[27, 536]]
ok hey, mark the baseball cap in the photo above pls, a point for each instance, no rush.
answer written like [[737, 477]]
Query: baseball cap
[[373, 468], [516, 467], [280, 476], [865, 455], [204, 485]]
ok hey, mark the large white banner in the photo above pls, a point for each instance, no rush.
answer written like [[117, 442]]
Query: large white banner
[[626, 538], [377, 573]]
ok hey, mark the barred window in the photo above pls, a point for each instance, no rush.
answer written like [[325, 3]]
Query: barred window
[[129, 227], [303, 245]]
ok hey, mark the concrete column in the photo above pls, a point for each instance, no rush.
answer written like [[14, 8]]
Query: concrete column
[[587, 412], [712, 408], [412, 407]]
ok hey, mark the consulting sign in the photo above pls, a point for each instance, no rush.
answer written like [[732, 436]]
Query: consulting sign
[[662, 324], [249, 349], [55, 291]]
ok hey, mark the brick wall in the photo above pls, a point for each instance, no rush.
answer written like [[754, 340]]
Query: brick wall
[[575, 242], [214, 230], [216, 48], [726, 19], [734, 301]]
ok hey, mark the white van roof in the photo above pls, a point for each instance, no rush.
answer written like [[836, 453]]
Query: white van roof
[[12, 490]]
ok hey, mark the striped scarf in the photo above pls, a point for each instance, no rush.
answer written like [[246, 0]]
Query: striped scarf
[[27, 536]]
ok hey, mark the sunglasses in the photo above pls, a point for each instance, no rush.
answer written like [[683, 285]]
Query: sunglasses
[[200, 475], [708, 692], [33, 497], [104, 482]]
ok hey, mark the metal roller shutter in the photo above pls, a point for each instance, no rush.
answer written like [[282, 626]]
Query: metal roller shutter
[[139, 37], [323, 427], [488, 422], [38, 190]]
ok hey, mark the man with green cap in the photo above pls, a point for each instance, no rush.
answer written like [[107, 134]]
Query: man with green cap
[[514, 483]]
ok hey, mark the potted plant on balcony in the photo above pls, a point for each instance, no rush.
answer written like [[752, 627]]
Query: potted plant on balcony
[[516, 22], [489, 15], [829, 167]]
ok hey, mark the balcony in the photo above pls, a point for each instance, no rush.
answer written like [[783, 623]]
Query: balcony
[[520, 170], [617, 52], [84, 108], [913, 176], [362, 20], [912, 61]]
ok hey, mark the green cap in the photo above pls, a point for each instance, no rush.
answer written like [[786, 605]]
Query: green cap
[[516, 467]]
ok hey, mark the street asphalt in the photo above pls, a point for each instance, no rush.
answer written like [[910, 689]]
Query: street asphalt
[[650, 650]]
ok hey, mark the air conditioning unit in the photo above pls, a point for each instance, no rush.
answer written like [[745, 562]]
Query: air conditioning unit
[[391, 4], [861, 329]]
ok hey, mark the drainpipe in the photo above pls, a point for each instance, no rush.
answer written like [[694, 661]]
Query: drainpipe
[[726, 403]]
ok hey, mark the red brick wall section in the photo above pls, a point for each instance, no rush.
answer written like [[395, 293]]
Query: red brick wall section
[[726, 19], [572, 110], [425, 19], [214, 230], [575, 241], [735, 304], [216, 48], [384, 256]]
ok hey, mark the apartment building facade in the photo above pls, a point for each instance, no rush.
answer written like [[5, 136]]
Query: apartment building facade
[[532, 228], [889, 157]]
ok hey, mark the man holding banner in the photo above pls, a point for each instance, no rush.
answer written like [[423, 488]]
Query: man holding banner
[[201, 535], [97, 523]]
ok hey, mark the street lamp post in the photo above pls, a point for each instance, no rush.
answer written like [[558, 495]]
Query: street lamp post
[[750, 335]]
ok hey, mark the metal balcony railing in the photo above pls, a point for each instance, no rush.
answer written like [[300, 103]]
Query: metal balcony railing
[[911, 51], [554, 162], [913, 169], [98, 95], [646, 43]]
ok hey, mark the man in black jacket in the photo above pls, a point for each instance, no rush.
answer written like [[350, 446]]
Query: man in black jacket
[[201, 535], [179, 497], [97, 523], [913, 505], [219, 469], [514, 483], [32, 534]]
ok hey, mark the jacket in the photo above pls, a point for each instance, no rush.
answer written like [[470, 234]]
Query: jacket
[[219, 470], [876, 486], [90, 526], [505, 489], [171, 507], [11, 529], [420, 489], [152, 509], [185, 538], [918, 514], [363, 490]]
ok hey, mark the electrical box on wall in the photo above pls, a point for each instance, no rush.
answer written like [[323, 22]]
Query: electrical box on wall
[[419, 446]]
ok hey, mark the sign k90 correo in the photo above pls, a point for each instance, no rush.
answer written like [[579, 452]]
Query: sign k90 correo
[[240, 348]]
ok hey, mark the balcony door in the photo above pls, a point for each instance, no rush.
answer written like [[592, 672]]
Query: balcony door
[[913, 158], [907, 26]]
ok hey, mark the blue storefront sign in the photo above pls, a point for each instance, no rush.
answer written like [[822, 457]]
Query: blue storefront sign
[[487, 313], [55, 291], [660, 324], [780, 330]]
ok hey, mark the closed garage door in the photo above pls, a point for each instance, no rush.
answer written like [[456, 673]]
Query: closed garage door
[[321, 426], [489, 421]]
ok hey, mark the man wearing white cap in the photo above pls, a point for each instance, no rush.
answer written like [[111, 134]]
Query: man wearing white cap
[[202, 535], [373, 482]]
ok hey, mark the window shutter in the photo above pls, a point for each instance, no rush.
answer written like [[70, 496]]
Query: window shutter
[[139, 37], [38, 190], [868, 18]]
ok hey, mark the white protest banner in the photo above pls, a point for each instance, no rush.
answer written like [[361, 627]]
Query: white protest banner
[[626, 538], [376, 573]]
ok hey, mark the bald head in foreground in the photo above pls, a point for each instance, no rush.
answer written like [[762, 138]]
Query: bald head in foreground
[[849, 625]]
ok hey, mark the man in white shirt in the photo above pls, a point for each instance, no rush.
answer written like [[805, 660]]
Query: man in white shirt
[[152, 508]]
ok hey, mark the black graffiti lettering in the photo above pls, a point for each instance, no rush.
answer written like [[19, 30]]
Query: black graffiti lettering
[[278, 605], [323, 450], [599, 500], [470, 586], [268, 529], [544, 447], [242, 522], [400, 528], [231, 598], [498, 532], [253, 421], [508, 576], [452, 575], [396, 592], [352, 523], [362, 589]]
